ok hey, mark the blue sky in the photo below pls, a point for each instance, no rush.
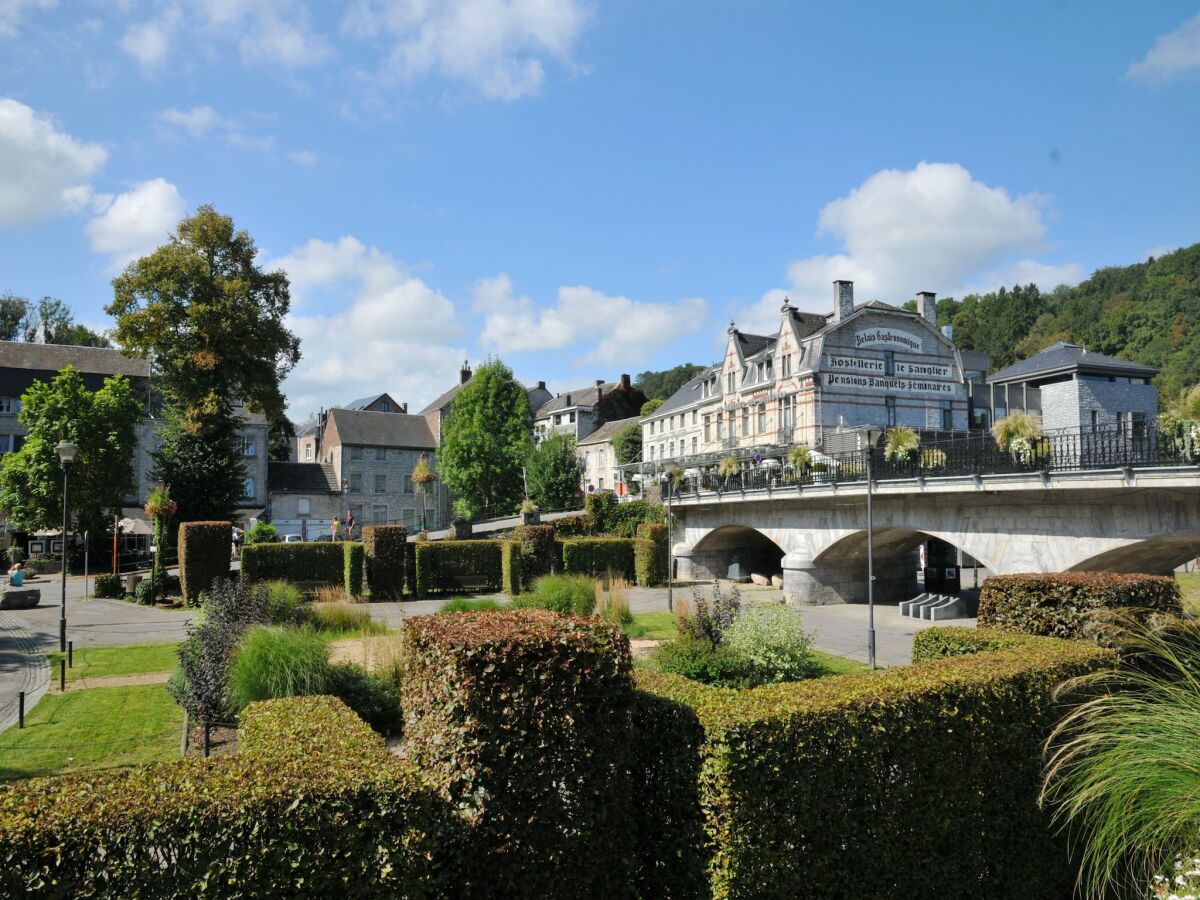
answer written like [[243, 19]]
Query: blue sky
[[588, 188]]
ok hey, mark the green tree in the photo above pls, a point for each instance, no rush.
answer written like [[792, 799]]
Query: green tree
[[101, 423], [279, 440], [204, 469], [554, 472], [627, 444], [14, 317], [485, 441], [651, 406], [213, 321], [661, 385], [48, 321]]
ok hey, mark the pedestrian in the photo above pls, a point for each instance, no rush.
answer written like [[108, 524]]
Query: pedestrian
[[336, 528], [350, 525]]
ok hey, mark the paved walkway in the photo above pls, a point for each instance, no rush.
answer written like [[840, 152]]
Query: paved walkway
[[23, 667]]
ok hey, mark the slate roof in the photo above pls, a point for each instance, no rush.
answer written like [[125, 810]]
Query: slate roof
[[301, 478], [584, 396], [608, 431], [1065, 358], [53, 357], [364, 402], [378, 429], [752, 343], [686, 395], [445, 399]]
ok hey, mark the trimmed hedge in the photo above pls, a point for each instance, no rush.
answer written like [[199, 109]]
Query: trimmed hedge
[[946, 641], [539, 555], [322, 562], [857, 785], [439, 564], [650, 554], [204, 552], [313, 805], [603, 514], [1066, 605], [108, 586], [385, 546], [598, 556], [523, 717], [512, 568], [352, 568]]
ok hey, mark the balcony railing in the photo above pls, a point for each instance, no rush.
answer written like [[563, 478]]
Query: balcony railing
[[963, 454]]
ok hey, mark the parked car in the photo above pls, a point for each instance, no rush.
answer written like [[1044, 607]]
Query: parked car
[[293, 538]]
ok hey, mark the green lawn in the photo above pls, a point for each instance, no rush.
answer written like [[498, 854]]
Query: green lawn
[[839, 665], [654, 626], [92, 729], [1189, 585], [101, 662]]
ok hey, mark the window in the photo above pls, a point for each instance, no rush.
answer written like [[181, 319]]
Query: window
[[770, 369], [356, 483], [1095, 420], [662, 451], [787, 413], [695, 449], [571, 416], [384, 406], [733, 425], [9, 406], [889, 363], [947, 416], [720, 426], [600, 483], [695, 416], [602, 455], [308, 451], [1134, 424], [410, 518], [381, 483], [357, 511], [762, 418], [248, 489], [356, 452], [304, 506], [732, 376], [707, 429], [652, 453], [558, 418], [672, 449], [379, 514], [652, 429], [246, 445], [890, 404], [409, 487], [786, 364], [369, 453]]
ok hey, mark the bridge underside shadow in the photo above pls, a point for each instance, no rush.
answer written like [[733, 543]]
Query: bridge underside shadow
[[1156, 556], [839, 573], [751, 551]]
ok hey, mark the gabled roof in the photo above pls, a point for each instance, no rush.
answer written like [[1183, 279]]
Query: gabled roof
[[379, 429], [686, 395], [364, 402], [301, 478], [54, 357], [608, 431], [584, 396], [808, 323], [752, 343], [445, 399], [1065, 358]]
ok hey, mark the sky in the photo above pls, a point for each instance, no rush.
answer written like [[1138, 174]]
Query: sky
[[586, 188]]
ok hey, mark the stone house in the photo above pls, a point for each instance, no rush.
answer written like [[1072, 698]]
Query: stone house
[[581, 411], [599, 459], [304, 498]]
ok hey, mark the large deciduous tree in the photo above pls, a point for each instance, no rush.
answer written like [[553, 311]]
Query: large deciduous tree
[[213, 323], [101, 423], [48, 321], [554, 472], [485, 441]]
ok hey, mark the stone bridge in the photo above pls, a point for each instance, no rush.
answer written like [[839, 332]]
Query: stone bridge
[[1119, 520]]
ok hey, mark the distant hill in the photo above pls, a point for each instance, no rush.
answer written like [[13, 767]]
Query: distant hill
[[1148, 312], [661, 385]]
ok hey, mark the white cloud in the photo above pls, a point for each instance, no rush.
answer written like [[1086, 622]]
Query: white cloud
[[615, 328], [197, 121], [306, 159], [43, 171], [498, 47], [12, 11], [204, 121], [934, 227], [391, 330], [149, 42], [1173, 54], [137, 221]]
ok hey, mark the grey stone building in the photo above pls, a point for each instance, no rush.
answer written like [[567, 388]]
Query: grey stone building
[[581, 411], [304, 498], [599, 459]]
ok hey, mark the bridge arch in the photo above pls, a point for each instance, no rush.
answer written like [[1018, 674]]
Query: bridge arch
[[1157, 555], [733, 544]]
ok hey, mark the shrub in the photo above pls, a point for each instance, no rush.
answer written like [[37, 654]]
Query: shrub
[[598, 556], [651, 554], [285, 604], [352, 569], [773, 642], [604, 515], [373, 699], [538, 553], [321, 562], [204, 551], [337, 618], [564, 594], [521, 717], [108, 586], [709, 623], [854, 785], [384, 547], [901, 444], [512, 573], [703, 661], [956, 640], [262, 533], [612, 601], [463, 604], [441, 564], [272, 662], [269, 822], [1071, 604], [144, 591]]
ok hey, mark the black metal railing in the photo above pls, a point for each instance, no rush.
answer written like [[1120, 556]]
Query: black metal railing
[[966, 453]]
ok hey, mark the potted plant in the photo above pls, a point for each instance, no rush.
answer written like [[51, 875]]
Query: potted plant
[[727, 468], [530, 514], [460, 525], [1020, 435], [902, 443]]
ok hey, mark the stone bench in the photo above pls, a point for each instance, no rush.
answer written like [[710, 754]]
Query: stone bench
[[20, 598]]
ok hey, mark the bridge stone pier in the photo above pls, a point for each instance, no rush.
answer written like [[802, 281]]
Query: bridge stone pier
[[1114, 521]]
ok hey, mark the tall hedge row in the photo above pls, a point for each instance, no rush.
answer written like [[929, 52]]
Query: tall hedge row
[[322, 562], [537, 550], [916, 782], [598, 556], [439, 565], [204, 552], [353, 563], [651, 555], [522, 717], [273, 821], [512, 568], [1066, 605], [385, 549]]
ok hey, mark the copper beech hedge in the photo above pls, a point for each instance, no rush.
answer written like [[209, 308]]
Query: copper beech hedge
[[1066, 605]]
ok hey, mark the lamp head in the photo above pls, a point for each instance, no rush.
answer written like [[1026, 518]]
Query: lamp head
[[66, 452]]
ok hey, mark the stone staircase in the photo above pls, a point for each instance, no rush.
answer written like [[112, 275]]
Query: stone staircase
[[935, 607]]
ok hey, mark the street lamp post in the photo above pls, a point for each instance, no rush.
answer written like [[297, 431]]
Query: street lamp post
[[670, 551], [870, 567], [66, 454]]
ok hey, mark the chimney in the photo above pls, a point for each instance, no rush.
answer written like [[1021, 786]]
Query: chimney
[[404, 407], [464, 374], [843, 299], [568, 403], [599, 390], [927, 305], [625, 385], [541, 385]]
